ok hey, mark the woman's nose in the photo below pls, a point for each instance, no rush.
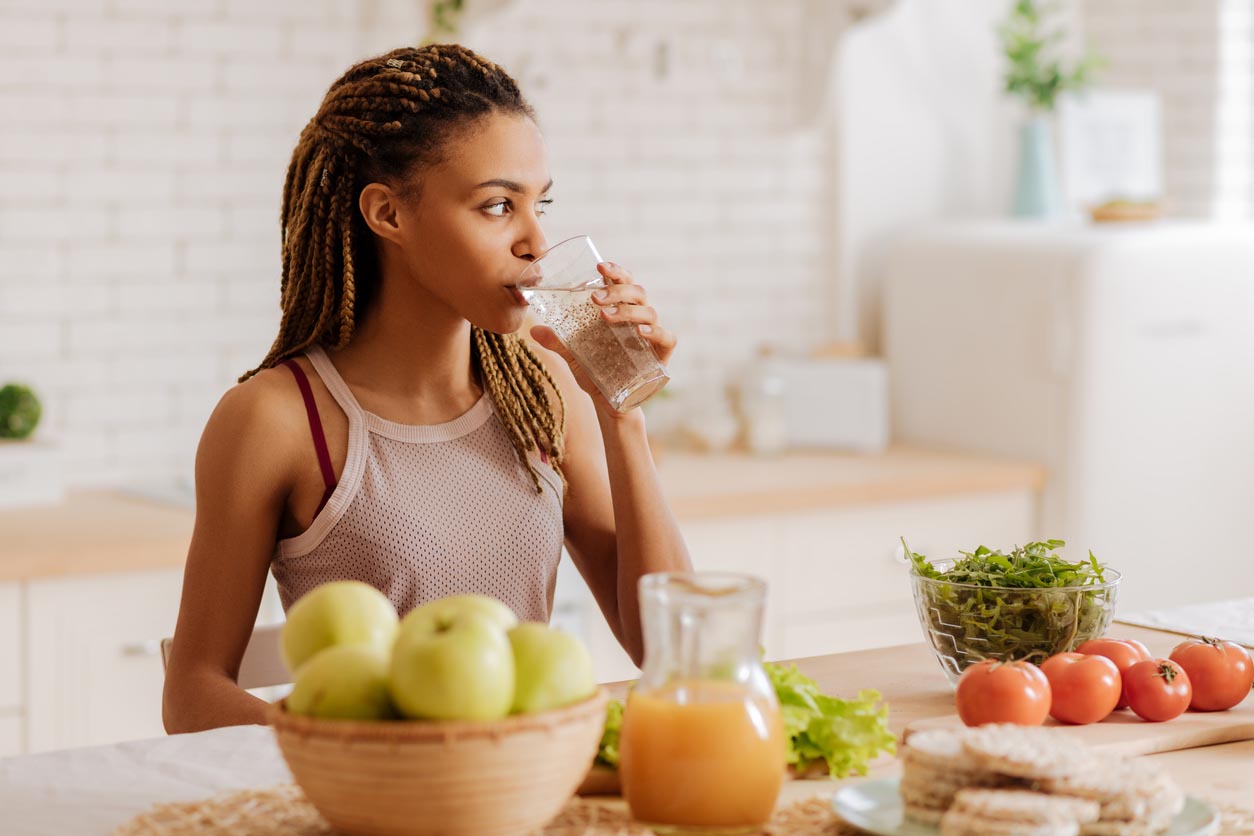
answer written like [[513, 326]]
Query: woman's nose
[[532, 243]]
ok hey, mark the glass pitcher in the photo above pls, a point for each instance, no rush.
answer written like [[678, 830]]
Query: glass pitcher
[[702, 744]]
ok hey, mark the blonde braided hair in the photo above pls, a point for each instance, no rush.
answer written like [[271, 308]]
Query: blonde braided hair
[[381, 118]]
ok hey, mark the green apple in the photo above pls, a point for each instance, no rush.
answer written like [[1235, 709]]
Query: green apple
[[340, 612], [458, 666], [433, 614], [552, 668], [346, 681]]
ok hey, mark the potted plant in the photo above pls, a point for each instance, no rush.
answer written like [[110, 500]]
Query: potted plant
[[20, 411], [1037, 76]]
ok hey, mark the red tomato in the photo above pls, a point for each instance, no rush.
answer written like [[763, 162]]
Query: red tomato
[[1086, 687], [1123, 652], [1221, 672], [1158, 690], [1003, 692]]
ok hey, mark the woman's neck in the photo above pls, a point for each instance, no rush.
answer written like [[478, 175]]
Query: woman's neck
[[409, 360]]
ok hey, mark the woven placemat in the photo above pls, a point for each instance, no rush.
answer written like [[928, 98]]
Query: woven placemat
[[285, 811]]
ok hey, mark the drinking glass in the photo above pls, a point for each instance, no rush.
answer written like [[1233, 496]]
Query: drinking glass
[[559, 286]]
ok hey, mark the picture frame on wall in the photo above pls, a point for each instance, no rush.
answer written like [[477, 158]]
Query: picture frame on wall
[[1110, 150]]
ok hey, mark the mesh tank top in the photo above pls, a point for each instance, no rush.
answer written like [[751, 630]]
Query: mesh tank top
[[423, 512]]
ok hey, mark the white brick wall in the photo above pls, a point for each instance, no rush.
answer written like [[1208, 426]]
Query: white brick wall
[[1234, 146], [1199, 56], [144, 143]]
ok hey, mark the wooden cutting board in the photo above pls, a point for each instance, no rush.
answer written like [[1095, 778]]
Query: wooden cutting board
[[1126, 734]]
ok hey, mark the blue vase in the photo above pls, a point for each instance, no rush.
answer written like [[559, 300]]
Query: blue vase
[[1036, 192]]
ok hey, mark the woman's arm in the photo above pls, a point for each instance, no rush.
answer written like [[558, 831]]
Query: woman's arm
[[647, 536], [242, 481], [619, 525]]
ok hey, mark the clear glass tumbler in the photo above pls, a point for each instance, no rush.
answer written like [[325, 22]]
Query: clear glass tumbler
[[559, 286], [702, 745]]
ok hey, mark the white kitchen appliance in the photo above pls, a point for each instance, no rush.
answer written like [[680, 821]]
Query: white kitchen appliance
[[834, 403], [1121, 357]]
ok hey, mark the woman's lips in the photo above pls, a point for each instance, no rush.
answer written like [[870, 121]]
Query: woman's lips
[[519, 299]]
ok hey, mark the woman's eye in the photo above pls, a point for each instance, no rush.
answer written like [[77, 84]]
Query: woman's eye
[[497, 209], [542, 207]]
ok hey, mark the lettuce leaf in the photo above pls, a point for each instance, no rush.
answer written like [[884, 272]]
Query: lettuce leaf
[[607, 753], [846, 734]]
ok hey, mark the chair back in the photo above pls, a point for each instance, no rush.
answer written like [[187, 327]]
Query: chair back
[[262, 664]]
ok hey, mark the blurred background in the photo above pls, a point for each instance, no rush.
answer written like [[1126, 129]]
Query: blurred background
[[960, 272]]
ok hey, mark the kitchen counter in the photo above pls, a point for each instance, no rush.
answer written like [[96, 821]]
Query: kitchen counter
[[92, 790], [730, 485], [92, 533], [101, 532]]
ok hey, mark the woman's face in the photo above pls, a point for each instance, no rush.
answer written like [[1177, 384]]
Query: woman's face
[[475, 223]]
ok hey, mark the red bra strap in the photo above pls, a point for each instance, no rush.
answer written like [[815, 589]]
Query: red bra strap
[[315, 427]]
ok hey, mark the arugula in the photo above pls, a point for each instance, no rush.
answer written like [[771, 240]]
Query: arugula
[[1027, 604], [1033, 566], [846, 734]]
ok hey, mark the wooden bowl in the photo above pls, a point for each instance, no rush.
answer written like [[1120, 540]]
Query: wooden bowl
[[1120, 211], [421, 778]]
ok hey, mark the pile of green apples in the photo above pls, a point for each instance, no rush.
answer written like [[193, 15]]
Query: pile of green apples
[[461, 658]]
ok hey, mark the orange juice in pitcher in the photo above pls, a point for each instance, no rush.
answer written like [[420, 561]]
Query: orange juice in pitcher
[[702, 744]]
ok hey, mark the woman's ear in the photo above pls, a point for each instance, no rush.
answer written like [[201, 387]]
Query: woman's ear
[[380, 206]]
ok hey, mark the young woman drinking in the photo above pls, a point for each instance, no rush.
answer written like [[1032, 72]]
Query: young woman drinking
[[399, 432]]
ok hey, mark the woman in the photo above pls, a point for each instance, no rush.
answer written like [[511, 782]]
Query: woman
[[399, 432]]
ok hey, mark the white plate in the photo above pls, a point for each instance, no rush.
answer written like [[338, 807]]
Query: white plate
[[875, 806]]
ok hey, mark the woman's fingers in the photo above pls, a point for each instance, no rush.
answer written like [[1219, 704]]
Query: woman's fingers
[[662, 340], [639, 314], [616, 273], [622, 300], [620, 294]]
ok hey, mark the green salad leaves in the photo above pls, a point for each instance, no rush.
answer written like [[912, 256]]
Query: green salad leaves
[[1032, 566], [1027, 604], [845, 734], [607, 753]]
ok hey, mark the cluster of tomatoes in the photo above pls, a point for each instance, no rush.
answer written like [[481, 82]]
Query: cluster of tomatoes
[[1104, 675]]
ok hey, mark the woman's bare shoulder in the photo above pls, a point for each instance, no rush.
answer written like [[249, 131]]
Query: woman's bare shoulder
[[257, 426], [269, 398]]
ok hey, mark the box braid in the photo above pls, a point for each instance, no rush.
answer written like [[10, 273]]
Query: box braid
[[381, 118]]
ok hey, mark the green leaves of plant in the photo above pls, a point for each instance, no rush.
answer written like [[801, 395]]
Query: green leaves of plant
[[1033, 74]]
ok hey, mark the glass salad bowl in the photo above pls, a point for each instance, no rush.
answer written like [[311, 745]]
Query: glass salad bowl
[[967, 623]]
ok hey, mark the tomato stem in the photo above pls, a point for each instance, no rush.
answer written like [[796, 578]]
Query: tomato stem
[[1167, 671]]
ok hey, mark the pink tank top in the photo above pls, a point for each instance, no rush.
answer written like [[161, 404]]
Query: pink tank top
[[423, 512]]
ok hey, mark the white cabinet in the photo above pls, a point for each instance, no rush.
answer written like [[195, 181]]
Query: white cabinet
[[87, 657], [12, 666], [837, 579], [95, 671], [12, 734]]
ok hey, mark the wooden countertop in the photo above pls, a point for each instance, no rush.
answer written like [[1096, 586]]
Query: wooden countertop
[[92, 533], [729, 485], [100, 532]]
